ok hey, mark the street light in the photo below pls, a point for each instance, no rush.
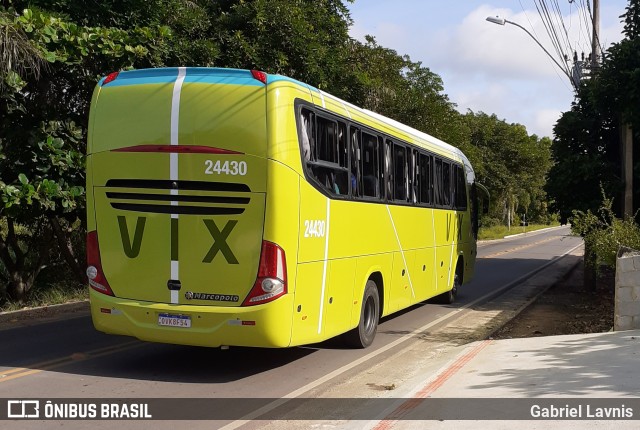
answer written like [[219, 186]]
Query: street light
[[502, 21]]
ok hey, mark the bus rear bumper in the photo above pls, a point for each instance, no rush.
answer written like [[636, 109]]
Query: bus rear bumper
[[261, 326]]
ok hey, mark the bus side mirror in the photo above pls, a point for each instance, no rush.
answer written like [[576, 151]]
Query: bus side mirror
[[483, 197]]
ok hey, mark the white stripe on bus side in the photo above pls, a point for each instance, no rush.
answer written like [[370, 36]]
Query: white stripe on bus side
[[413, 294], [173, 163], [454, 234], [435, 248], [324, 265]]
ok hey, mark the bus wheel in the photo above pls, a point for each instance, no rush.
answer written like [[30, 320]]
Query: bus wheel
[[363, 335], [450, 296]]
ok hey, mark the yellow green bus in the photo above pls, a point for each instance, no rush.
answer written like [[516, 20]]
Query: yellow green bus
[[235, 208]]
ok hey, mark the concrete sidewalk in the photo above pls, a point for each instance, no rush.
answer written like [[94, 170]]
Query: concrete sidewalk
[[441, 381], [577, 368], [590, 365], [497, 384]]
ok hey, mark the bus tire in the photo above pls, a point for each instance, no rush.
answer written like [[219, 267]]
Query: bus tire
[[450, 296], [362, 336]]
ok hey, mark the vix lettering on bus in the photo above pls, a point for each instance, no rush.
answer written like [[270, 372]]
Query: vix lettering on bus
[[458, 219], [131, 248]]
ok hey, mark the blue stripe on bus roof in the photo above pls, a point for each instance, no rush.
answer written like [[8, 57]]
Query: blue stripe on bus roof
[[193, 74], [206, 75], [144, 76], [279, 78]]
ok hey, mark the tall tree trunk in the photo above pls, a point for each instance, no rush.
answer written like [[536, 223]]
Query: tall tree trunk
[[23, 266], [65, 245], [17, 288]]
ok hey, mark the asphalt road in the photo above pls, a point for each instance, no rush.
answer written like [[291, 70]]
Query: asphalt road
[[67, 358]]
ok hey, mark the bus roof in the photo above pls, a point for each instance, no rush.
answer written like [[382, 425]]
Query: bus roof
[[417, 134]]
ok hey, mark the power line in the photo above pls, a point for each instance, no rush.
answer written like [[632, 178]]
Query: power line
[[551, 19]]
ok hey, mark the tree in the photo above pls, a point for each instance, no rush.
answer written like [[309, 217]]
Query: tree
[[390, 84], [512, 165], [586, 157], [42, 132], [18, 56], [56, 51], [586, 150], [305, 39], [44, 119]]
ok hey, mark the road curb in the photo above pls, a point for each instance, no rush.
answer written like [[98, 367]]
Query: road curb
[[531, 233], [511, 236], [43, 311]]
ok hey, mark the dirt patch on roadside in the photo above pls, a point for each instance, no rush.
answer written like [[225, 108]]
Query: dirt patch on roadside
[[29, 316], [566, 308]]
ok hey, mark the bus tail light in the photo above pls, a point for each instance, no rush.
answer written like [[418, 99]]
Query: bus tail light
[[96, 277], [271, 282], [110, 78], [259, 75]]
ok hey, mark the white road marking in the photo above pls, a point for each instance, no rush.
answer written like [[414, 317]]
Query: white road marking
[[310, 386]]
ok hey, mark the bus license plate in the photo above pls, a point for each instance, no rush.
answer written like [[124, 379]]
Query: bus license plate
[[174, 320]]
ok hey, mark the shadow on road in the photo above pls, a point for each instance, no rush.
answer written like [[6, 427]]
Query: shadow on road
[[72, 345]]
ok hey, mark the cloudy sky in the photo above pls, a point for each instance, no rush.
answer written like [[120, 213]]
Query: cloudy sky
[[484, 66]]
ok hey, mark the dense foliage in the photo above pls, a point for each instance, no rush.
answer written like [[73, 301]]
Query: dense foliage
[[586, 150], [53, 53], [604, 233], [588, 154], [50, 68]]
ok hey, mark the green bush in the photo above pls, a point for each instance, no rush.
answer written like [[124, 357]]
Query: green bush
[[604, 233], [488, 222], [546, 218]]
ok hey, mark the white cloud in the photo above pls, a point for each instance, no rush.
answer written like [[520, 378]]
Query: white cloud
[[502, 70], [484, 66], [477, 46], [544, 118]]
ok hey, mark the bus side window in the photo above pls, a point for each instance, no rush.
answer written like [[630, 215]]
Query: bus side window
[[342, 178], [413, 176], [388, 169], [446, 183], [474, 210], [381, 173], [454, 185], [400, 172], [324, 148], [461, 190], [326, 140], [438, 186], [426, 179], [370, 163], [355, 175], [307, 135]]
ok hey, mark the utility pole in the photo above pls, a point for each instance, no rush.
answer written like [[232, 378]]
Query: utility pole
[[626, 135], [595, 37], [626, 141], [590, 273]]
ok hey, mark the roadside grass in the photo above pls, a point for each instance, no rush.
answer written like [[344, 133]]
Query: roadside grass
[[500, 231], [54, 294]]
